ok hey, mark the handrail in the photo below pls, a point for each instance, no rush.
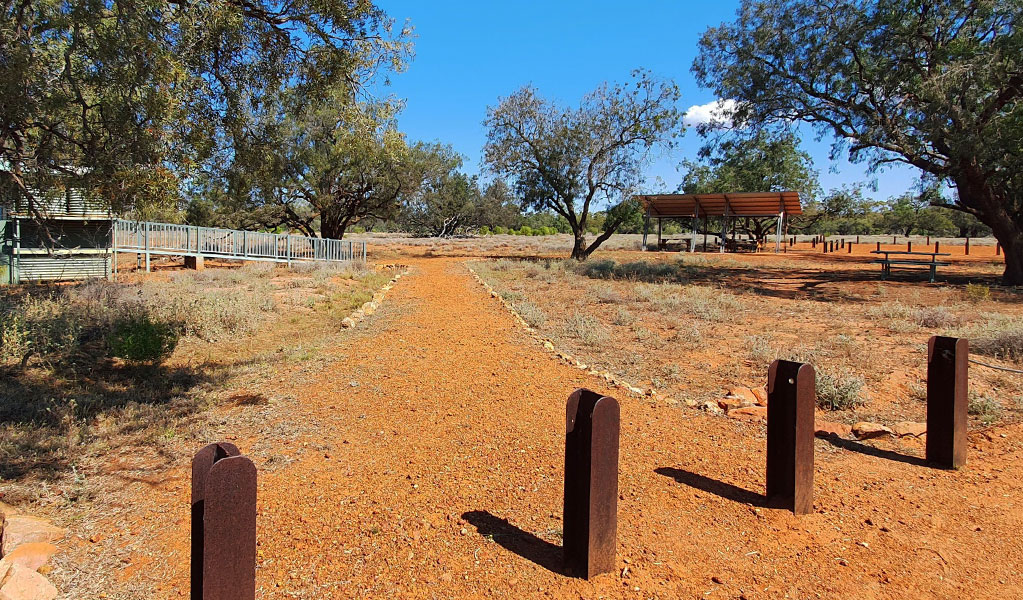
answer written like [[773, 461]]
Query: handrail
[[146, 237]]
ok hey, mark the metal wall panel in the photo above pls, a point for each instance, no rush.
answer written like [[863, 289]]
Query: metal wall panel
[[60, 268]]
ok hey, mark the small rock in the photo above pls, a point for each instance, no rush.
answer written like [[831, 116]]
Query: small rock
[[548, 346], [31, 555], [348, 322], [23, 529], [761, 395], [904, 428], [744, 394], [26, 584], [866, 431], [717, 580], [826, 428], [728, 403], [711, 407], [749, 413]]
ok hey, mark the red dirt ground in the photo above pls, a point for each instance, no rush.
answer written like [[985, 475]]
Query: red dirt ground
[[444, 420]]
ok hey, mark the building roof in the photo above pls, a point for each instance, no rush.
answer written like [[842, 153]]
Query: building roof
[[745, 204]]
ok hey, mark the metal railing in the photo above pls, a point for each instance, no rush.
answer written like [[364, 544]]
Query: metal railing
[[143, 237]]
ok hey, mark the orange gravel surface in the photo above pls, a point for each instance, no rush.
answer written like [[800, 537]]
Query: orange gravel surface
[[429, 465]]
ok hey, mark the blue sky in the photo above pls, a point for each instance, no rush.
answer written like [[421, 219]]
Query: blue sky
[[469, 55]]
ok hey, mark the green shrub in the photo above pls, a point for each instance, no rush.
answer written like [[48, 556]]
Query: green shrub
[[984, 407], [139, 338], [838, 392], [525, 230], [501, 230], [977, 292], [485, 230]]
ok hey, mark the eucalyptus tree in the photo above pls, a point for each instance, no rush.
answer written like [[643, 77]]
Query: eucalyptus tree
[[752, 161], [133, 98], [574, 160], [937, 84]]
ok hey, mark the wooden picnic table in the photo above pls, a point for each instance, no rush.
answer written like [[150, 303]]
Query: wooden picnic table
[[887, 262]]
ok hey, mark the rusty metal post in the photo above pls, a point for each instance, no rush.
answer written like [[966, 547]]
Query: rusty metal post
[[967, 246], [998, 248], [850, 245], [909, 246], [791, 395], [223, 562], [928, 240], [937, 245], [947, 400], [590, 525], [879, 246]]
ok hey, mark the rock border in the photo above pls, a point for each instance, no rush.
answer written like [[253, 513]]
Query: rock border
[[568, 359], [25, 551], [371, 307]]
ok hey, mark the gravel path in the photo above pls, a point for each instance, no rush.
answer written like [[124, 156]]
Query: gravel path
[[429, 465]]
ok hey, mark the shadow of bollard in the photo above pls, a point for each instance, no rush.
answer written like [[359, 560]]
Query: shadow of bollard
[[590, 515], [947, 400], [791, 394], [223, 561]]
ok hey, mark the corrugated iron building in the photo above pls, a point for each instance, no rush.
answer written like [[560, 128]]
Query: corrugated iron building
[[69, 238]]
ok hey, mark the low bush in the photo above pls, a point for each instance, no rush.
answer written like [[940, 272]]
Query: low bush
[[977, 292], [936, 317], [839, 392], [586, 329], [985, 408], [1000, 337], [140, 338], [531, 313]]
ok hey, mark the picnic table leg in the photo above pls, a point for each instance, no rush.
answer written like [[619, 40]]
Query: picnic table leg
[[933, 269]]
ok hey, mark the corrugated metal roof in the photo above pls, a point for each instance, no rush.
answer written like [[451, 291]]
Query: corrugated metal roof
[[745, 204]]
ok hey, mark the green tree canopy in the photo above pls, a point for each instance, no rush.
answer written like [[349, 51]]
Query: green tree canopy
[[934, 84], [752, 161], [136, 99], [571, 161]]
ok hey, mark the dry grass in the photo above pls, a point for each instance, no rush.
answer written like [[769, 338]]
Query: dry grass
[[712, 323], [65, 395]]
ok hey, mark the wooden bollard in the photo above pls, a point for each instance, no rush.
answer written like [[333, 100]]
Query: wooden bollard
[[791, 395], [223, 562], [947, 400], [590, 525]]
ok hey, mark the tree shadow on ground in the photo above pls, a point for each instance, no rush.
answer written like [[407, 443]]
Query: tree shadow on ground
[[853, 446], [713, 486], [523, 543], [48, 412]]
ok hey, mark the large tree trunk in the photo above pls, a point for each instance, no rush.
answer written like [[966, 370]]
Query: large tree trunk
[[976, 193], [579, 248]]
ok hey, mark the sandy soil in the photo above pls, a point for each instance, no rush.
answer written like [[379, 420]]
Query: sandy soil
[[426, 462]]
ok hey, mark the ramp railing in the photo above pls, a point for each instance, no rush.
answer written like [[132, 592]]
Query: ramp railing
[[144, 237]]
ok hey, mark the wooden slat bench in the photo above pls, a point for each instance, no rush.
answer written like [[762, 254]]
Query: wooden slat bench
[[887, 262]]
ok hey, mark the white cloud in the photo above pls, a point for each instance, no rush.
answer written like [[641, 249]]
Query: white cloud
[[717, 112]]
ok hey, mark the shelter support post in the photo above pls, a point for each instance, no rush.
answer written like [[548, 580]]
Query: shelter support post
[[777, 232], [659, 233], [646, 228]]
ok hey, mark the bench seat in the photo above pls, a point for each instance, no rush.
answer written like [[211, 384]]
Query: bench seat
[[886, 265]]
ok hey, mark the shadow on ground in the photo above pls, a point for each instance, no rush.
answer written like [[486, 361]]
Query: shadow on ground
[[713, 486], [853, 446], [48, 412], [523, 543]]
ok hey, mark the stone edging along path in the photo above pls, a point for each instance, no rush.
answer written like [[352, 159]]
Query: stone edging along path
[[548, 345], [370, 307]]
